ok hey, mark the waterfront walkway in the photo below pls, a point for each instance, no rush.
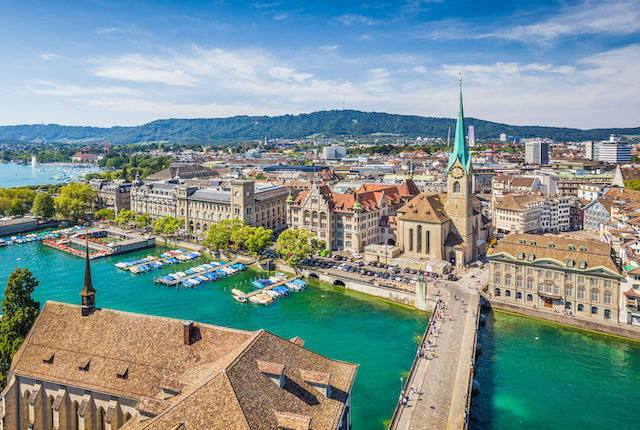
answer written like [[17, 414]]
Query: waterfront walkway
[[441, 381]]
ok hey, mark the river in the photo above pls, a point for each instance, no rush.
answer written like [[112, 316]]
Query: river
[[539, 375]]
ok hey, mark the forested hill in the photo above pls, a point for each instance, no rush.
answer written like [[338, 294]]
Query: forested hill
[[328, 123]]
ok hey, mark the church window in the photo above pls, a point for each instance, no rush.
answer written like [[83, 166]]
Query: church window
[[419, 244], [428, 242], [456, 187], [410, 239]]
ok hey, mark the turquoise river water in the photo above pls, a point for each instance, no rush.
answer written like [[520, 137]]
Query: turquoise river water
[[537, 375], [377, 335]]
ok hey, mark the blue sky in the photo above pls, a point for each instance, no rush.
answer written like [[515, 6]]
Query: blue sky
[[102, 62]]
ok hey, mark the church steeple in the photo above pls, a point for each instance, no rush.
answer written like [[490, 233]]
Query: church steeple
[[460, 150], [88, 293]]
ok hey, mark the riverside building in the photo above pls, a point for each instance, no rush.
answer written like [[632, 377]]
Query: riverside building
[[561, 275], [82, 367], [258, 204]]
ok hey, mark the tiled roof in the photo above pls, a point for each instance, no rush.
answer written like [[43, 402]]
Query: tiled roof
[[518, 202], [523, 181], [552, 247], [425, 207], [218, 377]]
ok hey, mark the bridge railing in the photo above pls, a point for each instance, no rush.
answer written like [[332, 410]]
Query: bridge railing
[[399, 407], [472, 369]]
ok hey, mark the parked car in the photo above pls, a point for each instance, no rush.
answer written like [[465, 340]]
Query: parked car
[[452, 277], [376, 274]]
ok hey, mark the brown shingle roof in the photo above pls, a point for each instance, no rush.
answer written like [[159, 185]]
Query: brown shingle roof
[[218, 380], [596, 254], [424, 207], [518, 202]]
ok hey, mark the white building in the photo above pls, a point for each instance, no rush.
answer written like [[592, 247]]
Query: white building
[[334, 152], [532, 213], [536, 152], [591, 192], [613, 152]]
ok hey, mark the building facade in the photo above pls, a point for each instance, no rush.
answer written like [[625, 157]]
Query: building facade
[[573, 277], [114, 195], [536, 152], [350, 220]]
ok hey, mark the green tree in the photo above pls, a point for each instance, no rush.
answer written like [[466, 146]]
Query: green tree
[[294, 245], [19, 311], [259, 240], [632, 184], [43, 206], [239, 236], [75, 201], [144, 220], [18, 207], [317, 245], [167, 226], [125, 216], [104, 214], [219, 235]]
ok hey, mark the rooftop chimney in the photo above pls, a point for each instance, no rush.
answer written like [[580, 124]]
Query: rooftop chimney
[[290, 421], [275, 371], [188, 332], [321, 381]]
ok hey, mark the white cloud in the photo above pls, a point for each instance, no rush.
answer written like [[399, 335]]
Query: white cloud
[[68, 90], [49, 56], [607, 18], [599, 90], [353, 19]]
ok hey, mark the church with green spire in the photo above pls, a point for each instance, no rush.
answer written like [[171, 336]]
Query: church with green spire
[[445, 226]]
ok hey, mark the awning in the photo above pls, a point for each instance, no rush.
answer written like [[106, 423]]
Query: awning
[[549, 295]]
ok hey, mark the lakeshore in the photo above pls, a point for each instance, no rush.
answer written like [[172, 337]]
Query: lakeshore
[[20, 175]]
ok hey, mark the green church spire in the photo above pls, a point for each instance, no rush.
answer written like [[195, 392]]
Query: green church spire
[[460, 150]]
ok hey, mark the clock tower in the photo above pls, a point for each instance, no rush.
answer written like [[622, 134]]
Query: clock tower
[[459, 204]]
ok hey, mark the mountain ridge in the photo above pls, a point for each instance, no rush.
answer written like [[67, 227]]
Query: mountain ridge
[[330, 123]]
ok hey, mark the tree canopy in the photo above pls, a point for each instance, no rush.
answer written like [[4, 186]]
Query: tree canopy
[[143, 220], [125, 216], [19, 311], [104, 214], [43, 206], [219, 234], [294, 245], [76, 201], [167, 226]]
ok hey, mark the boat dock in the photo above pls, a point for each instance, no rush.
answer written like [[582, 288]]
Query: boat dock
[[171, 283], [155, 259], [269, 287]]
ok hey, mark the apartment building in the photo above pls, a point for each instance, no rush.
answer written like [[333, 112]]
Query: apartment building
[[532, 213], [114, 195], [350, 220], [580, 278]]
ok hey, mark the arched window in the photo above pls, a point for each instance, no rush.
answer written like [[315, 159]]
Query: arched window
[[50, 410], [456, 187], [410, 239], [428, 242], [580, 307], [529, 297], [519, 295], [594, 310], [419, 244], [100, 419], [607, 314], [497, 292]]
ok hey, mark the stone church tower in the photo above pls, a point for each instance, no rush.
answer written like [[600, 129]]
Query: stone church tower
[[459, 203]]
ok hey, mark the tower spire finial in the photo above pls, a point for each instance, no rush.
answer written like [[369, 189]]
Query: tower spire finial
[[460, 150], [88, 293]]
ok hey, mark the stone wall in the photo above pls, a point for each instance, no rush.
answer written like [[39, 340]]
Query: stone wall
[[613, 328]]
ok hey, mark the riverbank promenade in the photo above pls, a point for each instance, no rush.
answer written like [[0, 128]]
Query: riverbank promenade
[[438, 389]]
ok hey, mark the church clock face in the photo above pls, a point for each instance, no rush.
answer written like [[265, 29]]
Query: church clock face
[[457, 172]]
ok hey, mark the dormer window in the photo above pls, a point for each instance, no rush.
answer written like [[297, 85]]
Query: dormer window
[[520, 255], [48, 361], [551, 245], [523, 242], [582, 264], [123, 376], [532, 242], [583, 249], [85, 368], [572, 247], [570, 263], [531, 257]]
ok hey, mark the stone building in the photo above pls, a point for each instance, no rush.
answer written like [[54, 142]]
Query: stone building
[[81, 367], [445, 226], [114, 195], [532, 213], [581, 277], [184, 171], [258, 204], [350, 220]]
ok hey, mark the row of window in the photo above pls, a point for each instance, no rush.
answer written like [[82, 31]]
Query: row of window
[[568, 305]]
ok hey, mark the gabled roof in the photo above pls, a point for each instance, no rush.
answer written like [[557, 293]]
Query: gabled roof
[[218, 379], [426, 208]]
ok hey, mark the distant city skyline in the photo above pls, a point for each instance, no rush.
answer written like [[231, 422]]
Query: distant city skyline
[[105, 63]]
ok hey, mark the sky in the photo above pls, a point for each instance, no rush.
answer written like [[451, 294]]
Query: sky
[[105, 63]]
